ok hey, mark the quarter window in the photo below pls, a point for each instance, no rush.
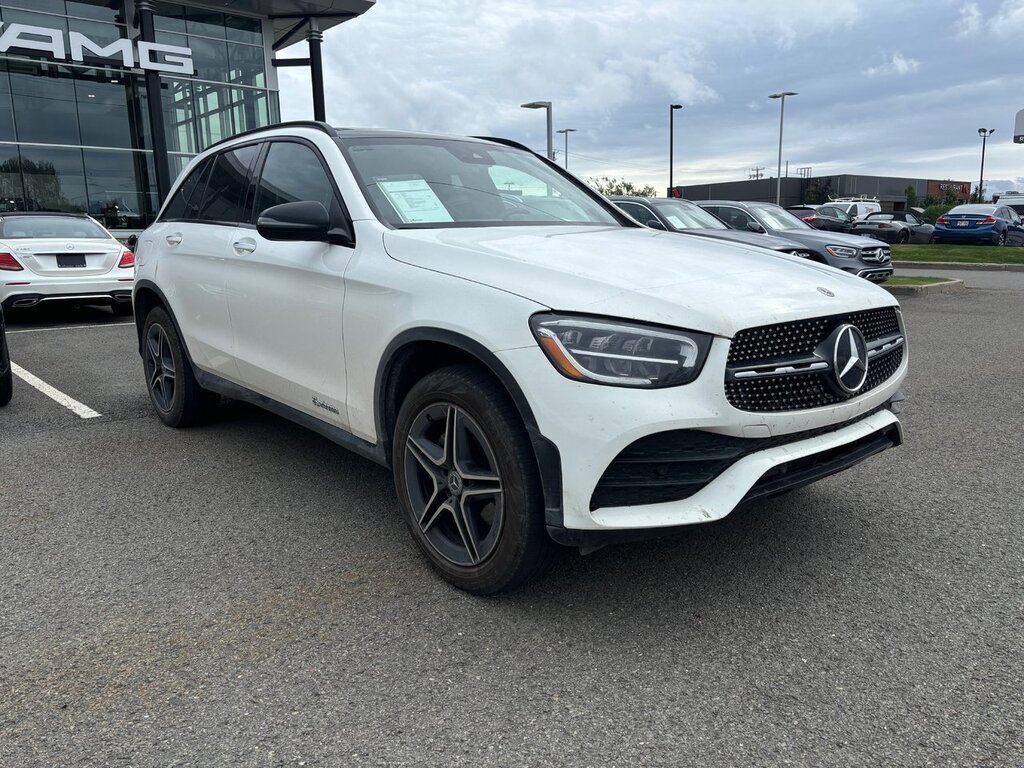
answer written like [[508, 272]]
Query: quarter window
[[228, 185], [182, 204]]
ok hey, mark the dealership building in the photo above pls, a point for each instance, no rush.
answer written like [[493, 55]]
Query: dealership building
[[103, 102], [890, 191]]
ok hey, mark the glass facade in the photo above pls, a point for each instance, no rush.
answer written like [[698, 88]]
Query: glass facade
[[76, 136]]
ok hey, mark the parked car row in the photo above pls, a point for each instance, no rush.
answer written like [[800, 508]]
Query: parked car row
[[764, 225]]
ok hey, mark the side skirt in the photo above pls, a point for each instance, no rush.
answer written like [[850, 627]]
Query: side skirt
[[344, 438]]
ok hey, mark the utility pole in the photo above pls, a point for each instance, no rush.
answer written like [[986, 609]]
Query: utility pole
[[755, 172]]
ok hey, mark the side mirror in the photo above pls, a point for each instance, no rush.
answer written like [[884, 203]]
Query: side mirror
[[656, 224], [753, 226], [304, 221], [132, 241]]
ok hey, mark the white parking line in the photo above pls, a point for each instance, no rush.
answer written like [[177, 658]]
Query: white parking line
[[67, 328], [53, 393]]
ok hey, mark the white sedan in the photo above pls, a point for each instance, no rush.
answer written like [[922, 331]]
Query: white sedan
[[47, 257]]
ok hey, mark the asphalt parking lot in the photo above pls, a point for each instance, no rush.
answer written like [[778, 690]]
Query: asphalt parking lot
[[246, 594]]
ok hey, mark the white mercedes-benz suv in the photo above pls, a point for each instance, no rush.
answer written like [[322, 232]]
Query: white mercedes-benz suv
[[533, 365]]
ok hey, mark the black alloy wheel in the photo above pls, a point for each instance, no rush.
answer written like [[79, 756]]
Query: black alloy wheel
[[178, 399], [454, 484], [160, 368], [1001, 242], [468, 482]]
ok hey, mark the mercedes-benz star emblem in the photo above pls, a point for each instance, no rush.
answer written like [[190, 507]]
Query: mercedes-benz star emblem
[[825, 291], [850, 358], [70, 246]]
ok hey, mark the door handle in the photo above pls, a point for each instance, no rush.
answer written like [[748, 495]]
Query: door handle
[[245, 245], [174, 239]]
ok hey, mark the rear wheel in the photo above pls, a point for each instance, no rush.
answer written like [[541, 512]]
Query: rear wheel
[[176, 395], [468, 483], [903, 238], [6, 386], [1001, 240]]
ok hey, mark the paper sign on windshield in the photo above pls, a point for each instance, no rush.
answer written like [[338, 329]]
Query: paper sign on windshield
[[414, 201]]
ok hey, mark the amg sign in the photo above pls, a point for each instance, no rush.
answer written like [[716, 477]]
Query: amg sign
[[25, 37]]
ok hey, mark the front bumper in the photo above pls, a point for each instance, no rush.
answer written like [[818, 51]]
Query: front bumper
[[22, 289], [591, 425]]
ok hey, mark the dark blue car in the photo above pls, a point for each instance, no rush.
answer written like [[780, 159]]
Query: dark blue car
[[985, 224]]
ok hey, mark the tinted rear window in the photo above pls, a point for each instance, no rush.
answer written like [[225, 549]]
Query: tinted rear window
[[26, 227], [228, 186]]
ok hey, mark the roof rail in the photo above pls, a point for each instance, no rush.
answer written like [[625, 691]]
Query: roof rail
[[329, 130], [506, 142]]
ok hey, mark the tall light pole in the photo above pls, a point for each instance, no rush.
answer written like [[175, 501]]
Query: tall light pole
[[782, 116], [671, 140], [546, 105], [565, 132], [984, 133]]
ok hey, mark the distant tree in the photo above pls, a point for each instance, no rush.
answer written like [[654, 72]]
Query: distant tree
[[933, 211], [911, 193], [616, 186], [930, 200], [978, 195], [951, 197], [818, 191]]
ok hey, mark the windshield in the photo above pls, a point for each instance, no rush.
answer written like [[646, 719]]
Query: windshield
[[776, 219], [687, 215], [71, 227], [413, 182]]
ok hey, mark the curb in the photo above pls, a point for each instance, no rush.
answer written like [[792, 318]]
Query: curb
[[948, 286], [957, 265]]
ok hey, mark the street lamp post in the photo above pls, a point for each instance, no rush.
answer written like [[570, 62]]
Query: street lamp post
[[782, 116], [671, 141], [984, 133], [565, 132], [545, 105]]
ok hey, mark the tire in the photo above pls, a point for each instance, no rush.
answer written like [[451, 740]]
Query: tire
[[1001, 240], [903, 238], [6, 386], [468, 482], [177, 398]]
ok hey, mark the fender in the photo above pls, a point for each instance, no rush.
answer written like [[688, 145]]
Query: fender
[[549, 463]]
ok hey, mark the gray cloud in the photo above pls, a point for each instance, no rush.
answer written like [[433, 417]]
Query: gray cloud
[[887, 88]]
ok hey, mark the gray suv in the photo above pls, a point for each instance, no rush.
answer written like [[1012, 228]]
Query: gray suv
[[861, 256]]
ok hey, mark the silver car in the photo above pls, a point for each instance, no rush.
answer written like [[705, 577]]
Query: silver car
[[895, 227]]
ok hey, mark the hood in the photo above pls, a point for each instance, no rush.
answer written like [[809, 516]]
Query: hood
[[821, 237], [772, 242], [639, 274]]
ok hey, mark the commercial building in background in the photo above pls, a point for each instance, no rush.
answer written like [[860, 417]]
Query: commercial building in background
[[103, 102], [890, 191]]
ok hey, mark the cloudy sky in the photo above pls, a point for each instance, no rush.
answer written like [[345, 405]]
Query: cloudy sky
[[893, 87]]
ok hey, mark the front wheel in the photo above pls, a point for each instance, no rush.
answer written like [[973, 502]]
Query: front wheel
[[468, 482], [178, 399]]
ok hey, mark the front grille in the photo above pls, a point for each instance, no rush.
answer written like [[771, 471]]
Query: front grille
[[783, 342], [879, 255], [671, 466]]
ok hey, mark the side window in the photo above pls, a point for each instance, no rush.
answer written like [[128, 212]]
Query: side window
[[909, 218], [228, 186], [182, 205], [639, 212], [293, 172], [735, 218]]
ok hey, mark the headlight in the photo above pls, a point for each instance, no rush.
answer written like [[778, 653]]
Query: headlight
[[842, 251], [620, 353]]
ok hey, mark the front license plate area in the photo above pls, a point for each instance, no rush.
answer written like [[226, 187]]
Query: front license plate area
[[71, 260]]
